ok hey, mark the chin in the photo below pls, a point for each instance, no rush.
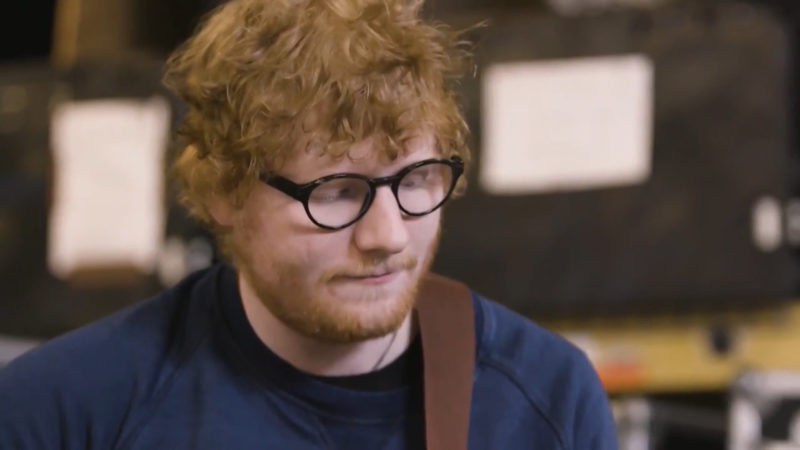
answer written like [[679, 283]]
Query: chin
[[346, 318]]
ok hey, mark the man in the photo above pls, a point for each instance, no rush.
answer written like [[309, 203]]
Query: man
[[322, 138]]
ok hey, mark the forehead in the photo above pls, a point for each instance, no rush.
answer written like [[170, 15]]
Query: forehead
[[362, 157]]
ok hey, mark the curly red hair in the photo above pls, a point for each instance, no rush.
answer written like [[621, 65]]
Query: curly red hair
[[263, 78]]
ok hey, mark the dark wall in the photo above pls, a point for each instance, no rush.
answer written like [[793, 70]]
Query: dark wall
[[26, 29], [165, 23]]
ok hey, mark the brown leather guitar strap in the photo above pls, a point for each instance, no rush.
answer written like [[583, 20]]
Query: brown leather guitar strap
[[447, 325]]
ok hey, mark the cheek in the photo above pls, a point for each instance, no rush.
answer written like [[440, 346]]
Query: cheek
[[426, 229], [423, 235], [307, 253], [324, 250], [277, 228]]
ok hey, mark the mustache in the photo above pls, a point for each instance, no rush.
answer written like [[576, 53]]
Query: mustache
[[363, 269]]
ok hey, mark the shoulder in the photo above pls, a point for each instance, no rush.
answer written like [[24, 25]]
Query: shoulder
[[519, 345], [554, 377], [94, 376]]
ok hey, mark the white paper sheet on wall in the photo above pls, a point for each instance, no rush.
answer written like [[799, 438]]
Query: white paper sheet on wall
[[562, 125], [108, 208]]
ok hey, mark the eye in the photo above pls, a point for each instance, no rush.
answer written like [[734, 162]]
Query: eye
[[340, 190], [418, 177], [333, 193]]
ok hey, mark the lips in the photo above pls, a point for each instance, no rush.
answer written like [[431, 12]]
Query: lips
[[369, 275], [375, 275], [373, 278]]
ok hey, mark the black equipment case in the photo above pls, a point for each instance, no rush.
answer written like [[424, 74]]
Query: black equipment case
[[33, 302], [681, 240]]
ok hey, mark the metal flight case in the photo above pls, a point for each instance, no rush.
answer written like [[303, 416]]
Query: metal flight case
[[35, 304], [765, 411], [710, 225]]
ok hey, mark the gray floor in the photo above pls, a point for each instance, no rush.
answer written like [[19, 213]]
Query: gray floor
[[11, 347]]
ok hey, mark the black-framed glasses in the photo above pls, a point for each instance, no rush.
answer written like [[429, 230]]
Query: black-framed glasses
[[337, 201]]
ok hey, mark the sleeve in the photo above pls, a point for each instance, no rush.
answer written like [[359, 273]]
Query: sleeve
[[594, 426], [80, 390], [59, 396], [32, 414]]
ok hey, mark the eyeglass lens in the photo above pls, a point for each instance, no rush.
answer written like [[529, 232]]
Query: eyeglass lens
[[340, 200]]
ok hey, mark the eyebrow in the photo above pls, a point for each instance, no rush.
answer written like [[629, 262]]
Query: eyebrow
[[361, 174]]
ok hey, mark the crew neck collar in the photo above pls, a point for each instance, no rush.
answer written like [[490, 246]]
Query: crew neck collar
[[272, 371]]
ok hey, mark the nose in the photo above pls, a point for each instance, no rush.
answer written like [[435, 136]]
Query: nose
[[382, 229]]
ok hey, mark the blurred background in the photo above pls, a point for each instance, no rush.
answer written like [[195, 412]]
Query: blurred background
[[635, 187]]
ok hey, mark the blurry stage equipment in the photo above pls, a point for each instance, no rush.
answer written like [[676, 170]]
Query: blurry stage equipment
[[762, 412], [674, 378], [656, 424], [687, 353], [765, 411], [570, 7], [87, 220], [635, 161], [11, 347], [108, 184], [88, 217], [106, 30]]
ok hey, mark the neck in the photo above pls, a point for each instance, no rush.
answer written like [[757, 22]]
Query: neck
[[317, 357]]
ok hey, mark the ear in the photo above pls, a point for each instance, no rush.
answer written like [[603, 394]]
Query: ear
[[221, 210]]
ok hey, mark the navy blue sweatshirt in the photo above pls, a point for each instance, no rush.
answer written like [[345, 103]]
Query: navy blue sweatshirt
[[185, 370]]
